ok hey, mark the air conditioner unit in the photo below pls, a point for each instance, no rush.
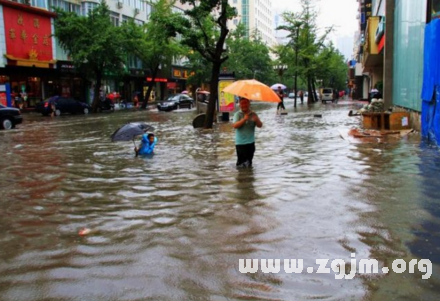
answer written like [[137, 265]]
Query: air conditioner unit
[[136, 11], [120, 4]]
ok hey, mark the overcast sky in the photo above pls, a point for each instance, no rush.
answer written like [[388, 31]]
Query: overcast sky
[[339, 13]]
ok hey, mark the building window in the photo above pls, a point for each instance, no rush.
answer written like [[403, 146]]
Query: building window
[[39, 3], [64, 5], [126, 18], [114, 17], [88, 7]]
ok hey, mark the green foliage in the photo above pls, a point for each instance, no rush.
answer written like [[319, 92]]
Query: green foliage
[[204, 30], [334, 69], [307, 53], [249, 58], [200, 69], [92, 42], [154, 43]]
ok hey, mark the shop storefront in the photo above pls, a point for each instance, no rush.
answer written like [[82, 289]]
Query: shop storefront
[[178, 80], [28, 63]]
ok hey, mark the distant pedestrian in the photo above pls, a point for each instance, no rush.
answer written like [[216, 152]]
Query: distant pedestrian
[[281, 96], [301, 96], [244, 124]]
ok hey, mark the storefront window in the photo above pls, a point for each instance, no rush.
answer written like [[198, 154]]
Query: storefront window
[[65, 87], [33, 90]]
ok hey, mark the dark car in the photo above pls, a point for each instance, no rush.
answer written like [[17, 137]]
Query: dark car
[[9, 117], [176, 101], [60, 105]]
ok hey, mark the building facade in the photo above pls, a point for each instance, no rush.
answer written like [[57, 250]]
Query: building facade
[[256, 16], [391, 50]]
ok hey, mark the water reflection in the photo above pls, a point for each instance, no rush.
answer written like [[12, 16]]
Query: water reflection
[[174, 226]]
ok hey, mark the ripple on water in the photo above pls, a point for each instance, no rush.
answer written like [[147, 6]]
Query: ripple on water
[[173, 226]]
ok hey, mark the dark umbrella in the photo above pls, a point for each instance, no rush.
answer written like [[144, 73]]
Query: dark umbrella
[[129, 131]]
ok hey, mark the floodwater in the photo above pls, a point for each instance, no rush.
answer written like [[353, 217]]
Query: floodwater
[[173, 226]]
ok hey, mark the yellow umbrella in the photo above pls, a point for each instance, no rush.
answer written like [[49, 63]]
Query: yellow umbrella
[[252, 90]]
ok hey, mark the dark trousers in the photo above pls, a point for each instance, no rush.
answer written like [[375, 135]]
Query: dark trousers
[[281, 104], [245, 154]]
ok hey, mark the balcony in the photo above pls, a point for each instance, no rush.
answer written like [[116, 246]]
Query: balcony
[[372, 57]]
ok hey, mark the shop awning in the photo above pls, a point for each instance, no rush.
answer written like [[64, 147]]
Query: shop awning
[[30, 62]]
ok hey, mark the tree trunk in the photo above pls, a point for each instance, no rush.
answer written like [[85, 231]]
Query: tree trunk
[[315, 99], [210, 113], [309, 89], [150, 87], [296, 89]]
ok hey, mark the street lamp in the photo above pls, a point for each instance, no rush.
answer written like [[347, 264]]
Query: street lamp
[[280, 69]]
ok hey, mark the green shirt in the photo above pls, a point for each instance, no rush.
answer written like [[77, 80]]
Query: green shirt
[[245, 134]]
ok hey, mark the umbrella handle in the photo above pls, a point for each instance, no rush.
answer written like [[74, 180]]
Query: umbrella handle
[[136, 153]]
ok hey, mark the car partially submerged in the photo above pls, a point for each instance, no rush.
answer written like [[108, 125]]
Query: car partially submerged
[[9, 117], [59, 105], [175, 102]]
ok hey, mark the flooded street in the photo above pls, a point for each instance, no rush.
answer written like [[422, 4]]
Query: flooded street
[[173, 226]]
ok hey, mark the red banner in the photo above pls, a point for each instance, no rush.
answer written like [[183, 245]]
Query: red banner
[[27, 35]]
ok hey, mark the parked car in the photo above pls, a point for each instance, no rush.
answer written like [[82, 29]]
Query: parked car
[[327, 95], [291, 95], [9, 117], [175, 102], [60, 105]]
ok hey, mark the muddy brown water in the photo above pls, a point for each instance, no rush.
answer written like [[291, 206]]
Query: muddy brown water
[[174, 226]]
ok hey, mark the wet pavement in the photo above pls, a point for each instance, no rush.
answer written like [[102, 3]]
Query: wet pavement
[[174, 225]]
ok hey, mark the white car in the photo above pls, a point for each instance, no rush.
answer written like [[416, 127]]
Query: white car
[[327, 95]]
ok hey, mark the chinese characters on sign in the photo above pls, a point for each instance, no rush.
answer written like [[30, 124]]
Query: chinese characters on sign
[[27, 30], [180, 73]]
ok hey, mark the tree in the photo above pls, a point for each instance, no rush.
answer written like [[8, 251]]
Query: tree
[[205, 30], [92, 42], [333, 66], [153, 43], [199, 70], [249, 58], [306, 44]]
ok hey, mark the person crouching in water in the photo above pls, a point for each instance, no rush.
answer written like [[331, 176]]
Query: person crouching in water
[[148, 142], [245, 122]]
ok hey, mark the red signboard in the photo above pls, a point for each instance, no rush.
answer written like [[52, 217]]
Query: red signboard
[[27, 34], [163, 80], [171, 85], [3, 98]]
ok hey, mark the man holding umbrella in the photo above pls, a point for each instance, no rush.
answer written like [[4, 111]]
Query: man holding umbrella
[[245, 122], [280, 93]]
